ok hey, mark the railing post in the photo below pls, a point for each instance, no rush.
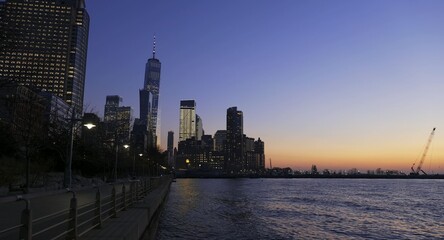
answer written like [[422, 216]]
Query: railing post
[[131, 193], [124, 196], [72, 226], [145, 184], [98, 209], [113, 196], [26, 220], [136, 191], [149, 184]]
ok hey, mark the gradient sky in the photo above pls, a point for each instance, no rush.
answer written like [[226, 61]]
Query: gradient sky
[[339, 84]]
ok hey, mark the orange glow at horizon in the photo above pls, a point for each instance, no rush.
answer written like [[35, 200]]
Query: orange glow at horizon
[[395, 153]]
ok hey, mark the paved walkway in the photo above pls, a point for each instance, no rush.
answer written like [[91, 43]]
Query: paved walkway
[[43, 205], [132, 223], [10, 212]]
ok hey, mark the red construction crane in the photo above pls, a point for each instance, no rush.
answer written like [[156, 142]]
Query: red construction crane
[[419, 168]]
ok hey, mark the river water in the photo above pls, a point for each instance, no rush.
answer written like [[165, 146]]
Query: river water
[[304, 209]]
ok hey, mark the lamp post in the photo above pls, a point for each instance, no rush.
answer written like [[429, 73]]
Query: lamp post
[[68, 166], [143, 166], [117, 157]]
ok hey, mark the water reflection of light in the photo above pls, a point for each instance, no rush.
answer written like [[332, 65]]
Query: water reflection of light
[[188, 193], [304, 209]]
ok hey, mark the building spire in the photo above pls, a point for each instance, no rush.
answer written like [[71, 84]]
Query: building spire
[[154, 46]]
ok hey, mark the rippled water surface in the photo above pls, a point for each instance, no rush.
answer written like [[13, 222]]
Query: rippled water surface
[[304, 209]]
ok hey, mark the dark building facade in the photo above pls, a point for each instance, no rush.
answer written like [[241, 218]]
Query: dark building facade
[[139, 137], [234, 146], [117, 120], [219, 140], [259, 149], [22, 111], [198, 155], [170, 148], [149, 96], [230, 151], [44, 44]]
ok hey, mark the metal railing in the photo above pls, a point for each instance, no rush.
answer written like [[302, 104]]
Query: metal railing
[[76, 221]]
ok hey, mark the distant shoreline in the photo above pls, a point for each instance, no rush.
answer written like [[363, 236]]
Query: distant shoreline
[[359, 176]]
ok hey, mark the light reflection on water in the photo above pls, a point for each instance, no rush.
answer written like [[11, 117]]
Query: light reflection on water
[[304, 209]]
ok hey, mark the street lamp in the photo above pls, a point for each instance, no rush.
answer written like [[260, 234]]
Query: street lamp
[[117, 157], [68, 166], [134, 161], [89, 125]]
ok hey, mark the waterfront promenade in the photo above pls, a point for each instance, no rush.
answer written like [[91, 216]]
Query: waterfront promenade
[[90, 213]]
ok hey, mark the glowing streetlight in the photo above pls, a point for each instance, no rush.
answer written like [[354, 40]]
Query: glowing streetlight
[[68, 167], [89, 125], [188, 163]]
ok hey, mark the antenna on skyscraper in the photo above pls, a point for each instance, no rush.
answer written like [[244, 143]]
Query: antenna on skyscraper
[[154, 46]]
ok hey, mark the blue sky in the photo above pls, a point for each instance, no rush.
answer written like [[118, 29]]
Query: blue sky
[[339, 84]]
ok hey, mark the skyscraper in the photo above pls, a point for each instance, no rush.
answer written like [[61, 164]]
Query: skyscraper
[[187, 121], [117, 120], [44, 44], [219, 140], [199, 128], [170, 148], [260, 153], [111, 105], [149, 96], [234, 147]]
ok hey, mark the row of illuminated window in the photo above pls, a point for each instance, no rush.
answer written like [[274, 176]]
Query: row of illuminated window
[[35, 4], [30, 54], [43, 63], [36, 11], [40, 25], [13, 59], [47, 36], [30, 26], [42, 73], [26, 18], [27, 37], [40, 83], [29, 14], [28, 78], [40, 22], [33, 80], [48, 43]]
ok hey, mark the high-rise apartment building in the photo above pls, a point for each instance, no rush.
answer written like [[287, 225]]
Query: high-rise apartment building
[[199, 128], [234, 146], [259, 150], [170, 148], [187, 121], [111, 105], [44, 44], [117, 120], [219, 140], [149, 97], [230, 151]]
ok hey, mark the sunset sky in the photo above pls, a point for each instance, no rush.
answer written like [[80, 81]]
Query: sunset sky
[[339, 84]]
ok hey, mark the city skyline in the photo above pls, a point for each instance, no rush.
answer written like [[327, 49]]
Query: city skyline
[[340, 85]]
